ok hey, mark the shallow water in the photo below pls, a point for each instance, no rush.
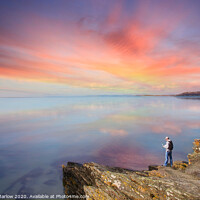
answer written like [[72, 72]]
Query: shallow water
[[38, 135]]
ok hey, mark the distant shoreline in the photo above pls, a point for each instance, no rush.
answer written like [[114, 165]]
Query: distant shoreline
[[86, 96], [182, 95]]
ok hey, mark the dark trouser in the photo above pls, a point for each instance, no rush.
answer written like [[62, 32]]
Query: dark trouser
[[168, 155]]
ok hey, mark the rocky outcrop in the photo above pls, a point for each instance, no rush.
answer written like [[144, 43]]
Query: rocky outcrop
[[194, 160], [98, 182]]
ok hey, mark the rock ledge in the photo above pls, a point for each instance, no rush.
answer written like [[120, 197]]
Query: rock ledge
[[98, 182]]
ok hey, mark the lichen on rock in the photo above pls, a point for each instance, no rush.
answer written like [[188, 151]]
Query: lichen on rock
[[98, 182]]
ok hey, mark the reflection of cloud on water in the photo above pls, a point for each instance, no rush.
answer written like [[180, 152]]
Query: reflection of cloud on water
[[194, 108], [194, 125], [114, 132], [125, 155], [167, 127], [174, 128], [90, 107], [123, 117]]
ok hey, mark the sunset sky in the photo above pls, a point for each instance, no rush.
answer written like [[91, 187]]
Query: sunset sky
[[92, 47]]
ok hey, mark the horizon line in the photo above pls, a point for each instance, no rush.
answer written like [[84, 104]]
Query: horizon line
[[103, 95]]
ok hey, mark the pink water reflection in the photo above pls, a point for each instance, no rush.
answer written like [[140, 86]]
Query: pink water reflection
[[131, 156]]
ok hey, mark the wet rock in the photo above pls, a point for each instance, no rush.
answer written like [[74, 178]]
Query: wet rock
[[153, 167], [100, 182]]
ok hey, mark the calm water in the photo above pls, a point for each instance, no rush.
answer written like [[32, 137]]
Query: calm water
[[38, 135]]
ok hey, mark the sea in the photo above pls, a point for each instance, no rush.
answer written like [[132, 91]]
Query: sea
[[39, 135]]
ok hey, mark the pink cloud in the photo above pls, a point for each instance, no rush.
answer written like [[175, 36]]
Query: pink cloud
[[135, 52]]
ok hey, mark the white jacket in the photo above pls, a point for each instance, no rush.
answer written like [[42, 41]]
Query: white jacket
[[166, 146]]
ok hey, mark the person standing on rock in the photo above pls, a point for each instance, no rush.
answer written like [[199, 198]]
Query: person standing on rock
[[169, 147]]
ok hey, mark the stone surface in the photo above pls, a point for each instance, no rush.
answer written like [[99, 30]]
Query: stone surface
[[98, 182], [194, 160]]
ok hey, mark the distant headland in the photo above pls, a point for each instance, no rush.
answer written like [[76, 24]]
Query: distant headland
[[184, 94], [197, 93]]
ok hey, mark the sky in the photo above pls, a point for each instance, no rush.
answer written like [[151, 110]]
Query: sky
[[97, 47]]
